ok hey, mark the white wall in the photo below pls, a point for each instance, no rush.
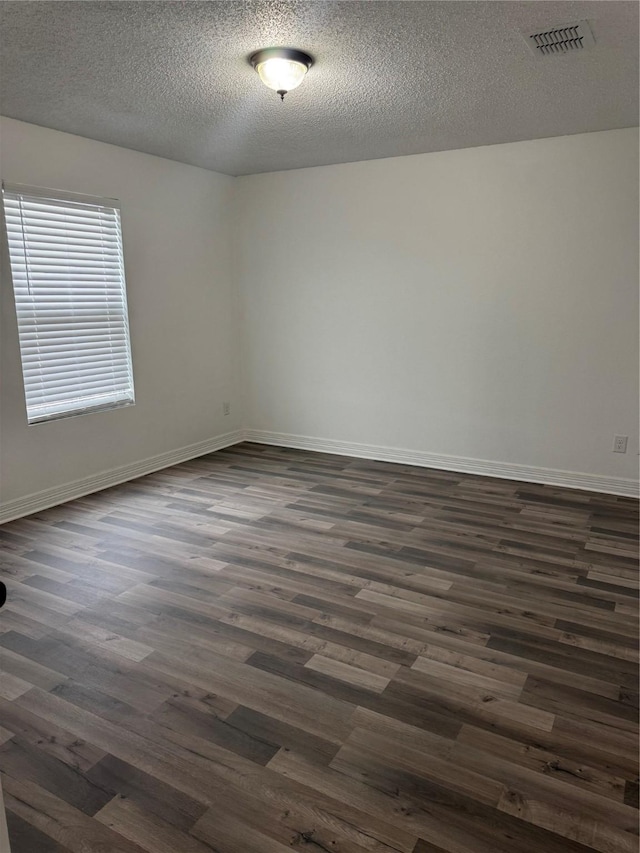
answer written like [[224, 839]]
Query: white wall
[[176, 233], [480, 303]]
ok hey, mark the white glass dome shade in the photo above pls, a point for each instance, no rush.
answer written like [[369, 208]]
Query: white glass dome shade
[[281, 69]]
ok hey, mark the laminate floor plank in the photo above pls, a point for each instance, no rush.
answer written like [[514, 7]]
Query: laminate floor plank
[[266, 649]]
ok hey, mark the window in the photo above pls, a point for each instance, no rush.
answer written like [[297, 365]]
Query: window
[[71, 304]]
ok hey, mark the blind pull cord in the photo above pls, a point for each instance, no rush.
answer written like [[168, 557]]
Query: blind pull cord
[[24, 246]]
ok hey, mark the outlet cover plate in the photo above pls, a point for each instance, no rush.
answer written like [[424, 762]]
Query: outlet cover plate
[[620, 443]]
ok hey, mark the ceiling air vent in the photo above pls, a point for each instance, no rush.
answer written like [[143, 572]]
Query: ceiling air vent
[[566, 39]]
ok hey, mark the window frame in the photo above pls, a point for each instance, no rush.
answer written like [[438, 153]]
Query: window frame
[[113, 312]]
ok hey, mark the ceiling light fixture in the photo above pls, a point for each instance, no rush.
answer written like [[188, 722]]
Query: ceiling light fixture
[[281, 68]]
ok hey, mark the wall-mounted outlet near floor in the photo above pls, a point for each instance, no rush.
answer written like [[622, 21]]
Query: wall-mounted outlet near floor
[[620, 443], [226, 408]]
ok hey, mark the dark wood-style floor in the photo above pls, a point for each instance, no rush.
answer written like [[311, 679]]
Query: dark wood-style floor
[[265, 649]]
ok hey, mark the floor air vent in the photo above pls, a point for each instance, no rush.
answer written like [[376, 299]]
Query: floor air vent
[[566, 39]]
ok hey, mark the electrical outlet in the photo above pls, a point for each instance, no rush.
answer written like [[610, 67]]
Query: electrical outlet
[[620, 443], [226, 408]]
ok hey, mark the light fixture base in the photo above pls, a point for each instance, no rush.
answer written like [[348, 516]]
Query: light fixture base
[[291, 53]]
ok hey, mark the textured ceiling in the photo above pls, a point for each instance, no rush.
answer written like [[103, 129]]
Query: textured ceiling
[[390, 78]]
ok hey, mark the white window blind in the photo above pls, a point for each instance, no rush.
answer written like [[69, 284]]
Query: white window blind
[[68, 280]]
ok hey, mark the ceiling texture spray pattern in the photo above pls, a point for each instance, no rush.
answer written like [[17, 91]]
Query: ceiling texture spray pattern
[[389, 78]]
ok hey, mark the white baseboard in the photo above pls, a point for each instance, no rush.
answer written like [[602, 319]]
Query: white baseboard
[[78, 488], [503, 470]]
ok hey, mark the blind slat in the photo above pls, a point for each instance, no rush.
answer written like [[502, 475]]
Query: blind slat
[[62, 372], [57, 372], [58, 394], [78, 350], [68, 279]]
